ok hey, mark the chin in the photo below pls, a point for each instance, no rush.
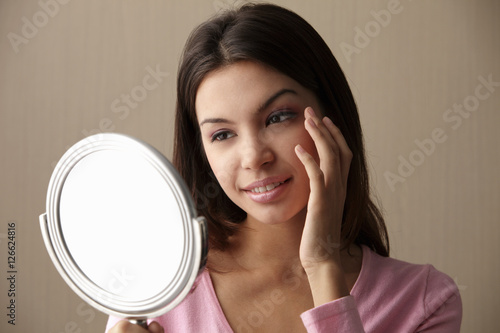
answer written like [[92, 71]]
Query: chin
[[277, 218]]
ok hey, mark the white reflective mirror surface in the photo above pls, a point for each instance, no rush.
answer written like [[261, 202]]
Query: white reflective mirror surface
[[118, 217]]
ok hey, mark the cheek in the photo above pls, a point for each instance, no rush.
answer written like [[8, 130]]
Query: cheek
[[221, 166], [305, 140]]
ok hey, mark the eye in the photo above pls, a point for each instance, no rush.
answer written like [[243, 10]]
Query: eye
[[280, 116], [221, 136]]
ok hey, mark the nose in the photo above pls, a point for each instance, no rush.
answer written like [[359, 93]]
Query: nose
[[255, 153]]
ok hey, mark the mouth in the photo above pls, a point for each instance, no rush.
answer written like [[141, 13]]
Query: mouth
[[267, 188], [266, 184]]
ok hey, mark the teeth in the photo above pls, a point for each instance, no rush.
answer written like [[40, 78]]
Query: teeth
[[266, 188]]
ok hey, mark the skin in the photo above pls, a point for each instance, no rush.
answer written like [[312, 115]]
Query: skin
[[257, 123]]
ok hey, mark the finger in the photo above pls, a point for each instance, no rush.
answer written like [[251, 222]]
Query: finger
[[327, 148], [315, 174], [124, 326], [345, 152], [154, 327], [311, 114]]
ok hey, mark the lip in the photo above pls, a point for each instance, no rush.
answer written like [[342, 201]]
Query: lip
[[268, 196]]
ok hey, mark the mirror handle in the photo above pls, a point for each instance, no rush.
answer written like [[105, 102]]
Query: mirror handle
[[141, 322]]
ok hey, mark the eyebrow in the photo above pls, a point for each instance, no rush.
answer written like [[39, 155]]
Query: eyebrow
[[262, 107]]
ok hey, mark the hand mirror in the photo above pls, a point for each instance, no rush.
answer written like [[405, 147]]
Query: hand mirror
[[121, 227]]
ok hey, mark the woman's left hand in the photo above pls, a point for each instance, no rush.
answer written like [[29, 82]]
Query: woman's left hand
[[321, 237]]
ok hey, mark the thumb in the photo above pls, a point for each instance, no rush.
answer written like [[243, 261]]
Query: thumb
[[154, 327]]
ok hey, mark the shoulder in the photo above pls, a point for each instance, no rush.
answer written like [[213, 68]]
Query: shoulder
[[388, 273], [418, 293]]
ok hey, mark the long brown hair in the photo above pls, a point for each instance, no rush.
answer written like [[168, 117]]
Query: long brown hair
[[274, 36]]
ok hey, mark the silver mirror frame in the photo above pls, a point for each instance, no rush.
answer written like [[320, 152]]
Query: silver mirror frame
[[196, 240]]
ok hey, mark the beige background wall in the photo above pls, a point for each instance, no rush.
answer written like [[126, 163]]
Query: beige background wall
[[65, 78]]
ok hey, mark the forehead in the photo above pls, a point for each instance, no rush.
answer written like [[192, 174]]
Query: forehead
[[243, 85]]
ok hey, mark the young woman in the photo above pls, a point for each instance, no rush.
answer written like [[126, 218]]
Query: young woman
[[269, 141]]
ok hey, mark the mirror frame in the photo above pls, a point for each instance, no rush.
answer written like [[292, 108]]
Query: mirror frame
[[196, 232]]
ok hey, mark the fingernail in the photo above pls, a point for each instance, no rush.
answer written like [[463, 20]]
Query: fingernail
[[310, 111], [311, 122], [328, 121], [300, 149]]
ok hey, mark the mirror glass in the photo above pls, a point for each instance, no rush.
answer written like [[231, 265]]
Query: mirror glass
[[118, 216]]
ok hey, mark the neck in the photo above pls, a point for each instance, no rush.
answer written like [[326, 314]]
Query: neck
[[272, 246]]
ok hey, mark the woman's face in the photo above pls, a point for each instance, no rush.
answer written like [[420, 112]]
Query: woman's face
[[251, 118]]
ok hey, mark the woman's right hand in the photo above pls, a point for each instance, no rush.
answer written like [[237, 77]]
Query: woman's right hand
[[125, 326]]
